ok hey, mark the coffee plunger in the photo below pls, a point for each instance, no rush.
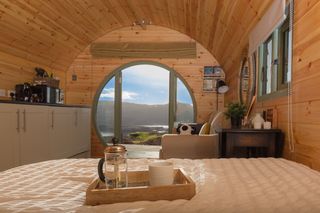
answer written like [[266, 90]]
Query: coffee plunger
[[115, 165]]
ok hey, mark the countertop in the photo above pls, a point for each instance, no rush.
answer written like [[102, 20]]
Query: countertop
[[42, 104]]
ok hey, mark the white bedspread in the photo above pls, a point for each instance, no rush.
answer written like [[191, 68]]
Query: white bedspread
[[223, 185]]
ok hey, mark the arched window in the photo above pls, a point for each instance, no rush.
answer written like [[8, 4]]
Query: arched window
[[140, 102]]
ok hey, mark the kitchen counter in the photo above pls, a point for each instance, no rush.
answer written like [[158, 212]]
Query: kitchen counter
[[42, 104]]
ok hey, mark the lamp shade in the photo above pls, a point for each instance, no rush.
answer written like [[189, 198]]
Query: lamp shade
[[221, 86]]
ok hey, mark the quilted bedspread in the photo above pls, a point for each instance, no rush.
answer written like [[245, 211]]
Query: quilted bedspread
[[222, 185]]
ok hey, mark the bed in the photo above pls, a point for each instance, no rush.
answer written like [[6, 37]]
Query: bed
[[222, 185]]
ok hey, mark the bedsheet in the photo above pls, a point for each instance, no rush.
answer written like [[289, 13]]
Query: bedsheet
[[222, 185]]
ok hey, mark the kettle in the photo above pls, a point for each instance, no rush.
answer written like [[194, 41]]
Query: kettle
[[115, 174]]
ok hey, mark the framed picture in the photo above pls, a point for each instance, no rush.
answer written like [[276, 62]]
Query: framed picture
[[208, 71], [217, 71], [209, 84]]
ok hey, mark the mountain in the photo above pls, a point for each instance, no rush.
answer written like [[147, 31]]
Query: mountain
[[139, 114]]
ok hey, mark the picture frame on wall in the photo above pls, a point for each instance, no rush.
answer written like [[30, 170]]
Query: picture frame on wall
[[208, 71], [208, 84], [212, 71]]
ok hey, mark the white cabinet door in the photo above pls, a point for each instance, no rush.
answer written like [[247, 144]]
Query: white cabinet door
[[83, 129], [72, 145], [9, 136], [69, 131], [61, 120], [34, 143]]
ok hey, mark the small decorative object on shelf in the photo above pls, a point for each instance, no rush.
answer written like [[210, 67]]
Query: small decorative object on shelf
[[267, 125], [257, 121], [42, 78], [235, 112]]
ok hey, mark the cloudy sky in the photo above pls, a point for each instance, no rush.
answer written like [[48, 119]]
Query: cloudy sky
[[145, 84]]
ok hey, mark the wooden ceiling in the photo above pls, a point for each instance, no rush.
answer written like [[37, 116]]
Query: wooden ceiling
[[54, 32]]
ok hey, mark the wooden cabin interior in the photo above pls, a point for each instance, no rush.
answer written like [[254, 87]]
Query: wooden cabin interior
[[68, 86]]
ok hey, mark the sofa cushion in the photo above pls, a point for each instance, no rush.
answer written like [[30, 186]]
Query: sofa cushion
[[205, 129], [216, 123]]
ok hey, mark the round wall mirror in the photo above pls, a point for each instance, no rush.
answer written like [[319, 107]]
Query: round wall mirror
[[247, 81]]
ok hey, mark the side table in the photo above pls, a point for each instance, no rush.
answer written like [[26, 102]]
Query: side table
[[250, 143]]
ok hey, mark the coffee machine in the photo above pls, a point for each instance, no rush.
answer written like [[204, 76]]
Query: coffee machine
[[23, 92]]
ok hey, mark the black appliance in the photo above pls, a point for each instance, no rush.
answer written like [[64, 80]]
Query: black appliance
[[38, 94], [44, 94], [23, 92]]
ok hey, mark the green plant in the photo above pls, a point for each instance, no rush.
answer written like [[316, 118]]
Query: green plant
[[235, 110]]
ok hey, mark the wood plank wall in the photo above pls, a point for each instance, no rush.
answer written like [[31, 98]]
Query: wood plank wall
[[91, 72], [16, 70], [305, 88]]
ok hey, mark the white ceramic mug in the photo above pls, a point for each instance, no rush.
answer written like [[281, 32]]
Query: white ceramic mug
[[267, 125], [160, 173]]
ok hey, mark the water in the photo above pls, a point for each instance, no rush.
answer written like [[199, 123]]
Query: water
[[161, 129]]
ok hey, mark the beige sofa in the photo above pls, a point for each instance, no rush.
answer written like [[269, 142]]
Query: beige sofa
[[189, 146]]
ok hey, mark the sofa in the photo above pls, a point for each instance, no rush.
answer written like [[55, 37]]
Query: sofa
[[204, 145], [189, 146]]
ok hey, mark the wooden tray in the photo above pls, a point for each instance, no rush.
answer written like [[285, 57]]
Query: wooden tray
[[139, 189]]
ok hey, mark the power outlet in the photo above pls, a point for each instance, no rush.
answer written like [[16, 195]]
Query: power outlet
[[2, 93]]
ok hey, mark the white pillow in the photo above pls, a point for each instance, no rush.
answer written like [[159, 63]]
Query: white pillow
[[185, 129]]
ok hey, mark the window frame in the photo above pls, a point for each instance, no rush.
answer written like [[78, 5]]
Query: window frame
[[284, 27], [264, 70], [278, 88], [117, 73]]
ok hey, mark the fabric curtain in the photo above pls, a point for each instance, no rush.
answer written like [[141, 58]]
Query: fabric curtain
[[274, 16]]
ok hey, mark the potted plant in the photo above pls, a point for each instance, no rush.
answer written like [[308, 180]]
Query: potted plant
[[235, 112]]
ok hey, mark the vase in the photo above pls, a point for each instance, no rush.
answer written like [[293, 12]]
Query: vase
[[257, 121], [235, 122]]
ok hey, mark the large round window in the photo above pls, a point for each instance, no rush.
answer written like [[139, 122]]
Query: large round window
[[139, 103]]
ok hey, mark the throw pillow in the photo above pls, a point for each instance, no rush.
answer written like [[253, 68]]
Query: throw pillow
[[185, 129], [216, 123], [204, 129]]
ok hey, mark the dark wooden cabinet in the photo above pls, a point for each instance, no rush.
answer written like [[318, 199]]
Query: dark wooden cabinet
[[250, 143]]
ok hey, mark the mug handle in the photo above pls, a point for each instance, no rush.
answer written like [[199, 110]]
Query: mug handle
[[100, 170]]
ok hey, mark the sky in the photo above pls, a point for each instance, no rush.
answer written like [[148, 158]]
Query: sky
[[145, 84]]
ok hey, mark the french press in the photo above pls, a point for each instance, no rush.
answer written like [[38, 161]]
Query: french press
[[115, 173]]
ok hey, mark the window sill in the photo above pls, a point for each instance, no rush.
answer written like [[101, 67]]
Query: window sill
[[274, 95]]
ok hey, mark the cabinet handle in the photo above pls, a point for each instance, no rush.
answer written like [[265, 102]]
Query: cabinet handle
[[18, 120], [52, 121], [24, 120]]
